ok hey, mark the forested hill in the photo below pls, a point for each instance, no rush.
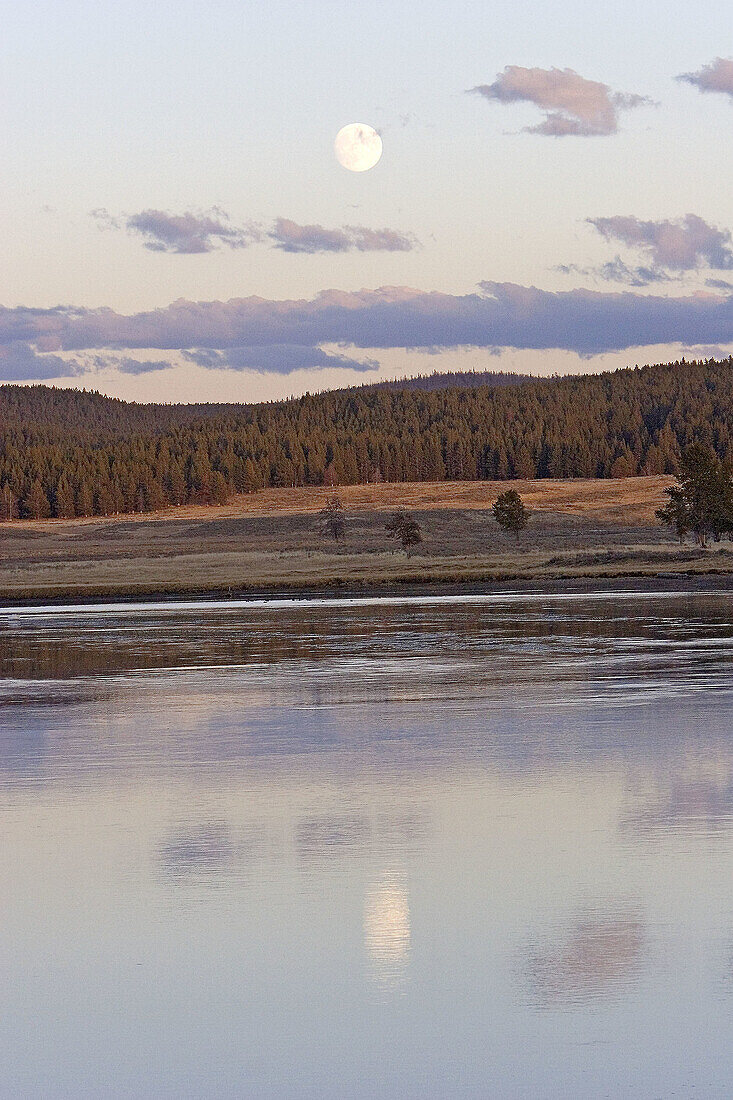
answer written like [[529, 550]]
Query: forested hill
[[446, 380], [67, 453]]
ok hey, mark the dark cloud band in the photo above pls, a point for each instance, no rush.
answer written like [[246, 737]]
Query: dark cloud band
[[498, 315]]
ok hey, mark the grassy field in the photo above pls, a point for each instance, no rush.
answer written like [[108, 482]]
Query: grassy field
[[271, 541]]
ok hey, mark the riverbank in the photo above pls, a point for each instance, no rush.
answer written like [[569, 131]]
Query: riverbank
[[271, 543]]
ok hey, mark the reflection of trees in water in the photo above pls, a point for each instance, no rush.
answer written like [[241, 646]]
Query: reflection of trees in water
[[595, 956], [59, 646], [222, 849], [207, 849], [328, 836], [277, 724]]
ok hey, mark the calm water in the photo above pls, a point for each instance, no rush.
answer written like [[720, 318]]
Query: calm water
[[471, 847]]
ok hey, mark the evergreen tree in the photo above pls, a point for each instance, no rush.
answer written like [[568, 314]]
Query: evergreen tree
[[333, 524], [8, 502], [510, 513], [405, 529], [64, 506], [702, 502], [675, 512], [36, 505]]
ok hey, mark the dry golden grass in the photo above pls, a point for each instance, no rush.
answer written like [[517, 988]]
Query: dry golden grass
[[270, 540], [625, 500]]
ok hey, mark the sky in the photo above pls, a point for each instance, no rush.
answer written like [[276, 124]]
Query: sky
[[553, 193]]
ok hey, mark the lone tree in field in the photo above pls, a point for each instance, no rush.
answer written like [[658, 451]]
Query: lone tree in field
[[702, 501], [510, 513], [405, 529], [333, 523]]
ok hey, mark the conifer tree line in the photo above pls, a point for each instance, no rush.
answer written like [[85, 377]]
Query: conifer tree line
[[67, 453]]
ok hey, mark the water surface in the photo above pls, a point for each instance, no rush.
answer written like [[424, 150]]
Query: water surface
[[419, 847]]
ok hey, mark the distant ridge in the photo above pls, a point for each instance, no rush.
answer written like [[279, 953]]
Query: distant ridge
[[65, 453], [448, 380]]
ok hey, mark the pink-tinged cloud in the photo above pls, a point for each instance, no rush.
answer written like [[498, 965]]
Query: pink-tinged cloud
[[573, 105], [194, 233], [498, 315], [714, 77], [289, 236], [681, 245], [188, 233]]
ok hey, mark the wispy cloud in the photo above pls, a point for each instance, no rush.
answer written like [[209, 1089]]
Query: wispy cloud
[[380, 240], [126, 365], [618, 271], [186, 234], [573, 105], [717, 76], [684, 244], [276, 359], [193, 233], [291, 237]]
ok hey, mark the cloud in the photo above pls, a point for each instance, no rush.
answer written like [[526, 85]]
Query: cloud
[[275, 359], [138, 366], [714, 77], [684, 244], [190, 233], [618, 271], [498, 315], [572, 105], [19, 362], [380, 240], [291, 237], [705, 351]]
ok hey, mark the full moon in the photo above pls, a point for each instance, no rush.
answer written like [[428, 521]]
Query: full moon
[[358, 147]]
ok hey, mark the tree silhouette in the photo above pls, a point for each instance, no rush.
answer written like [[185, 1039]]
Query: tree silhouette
[[405, 529], [333, 523], [702, 502], [510, 513]]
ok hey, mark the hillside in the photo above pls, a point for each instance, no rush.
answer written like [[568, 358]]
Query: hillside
[[447, 380], [64, 453]]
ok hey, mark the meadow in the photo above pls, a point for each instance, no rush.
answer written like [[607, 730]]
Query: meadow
[[272, 541]]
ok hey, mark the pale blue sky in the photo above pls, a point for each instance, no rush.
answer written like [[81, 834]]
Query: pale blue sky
[[183, 107]]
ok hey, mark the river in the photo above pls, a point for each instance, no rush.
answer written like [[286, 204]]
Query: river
[[473, 846]]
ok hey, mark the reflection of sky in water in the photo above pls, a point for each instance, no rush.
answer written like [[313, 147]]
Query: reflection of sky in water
[[406, 849]]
